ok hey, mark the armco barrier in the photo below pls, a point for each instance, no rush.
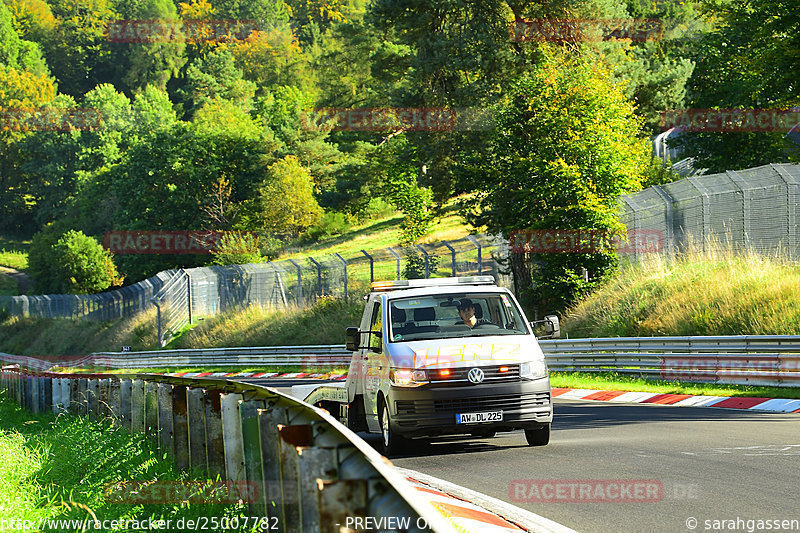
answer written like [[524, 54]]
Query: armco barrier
[[770, 360], [303, 469], [744, 359]]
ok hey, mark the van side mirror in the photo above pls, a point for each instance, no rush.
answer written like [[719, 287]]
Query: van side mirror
[[552, 327], [352, 339]]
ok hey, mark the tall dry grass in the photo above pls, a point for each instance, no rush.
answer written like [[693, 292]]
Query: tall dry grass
[[714, 291]]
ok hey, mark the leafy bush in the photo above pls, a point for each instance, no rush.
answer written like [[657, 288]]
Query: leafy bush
[[331, 224], [71, 263], [415, 264], [239, 248]]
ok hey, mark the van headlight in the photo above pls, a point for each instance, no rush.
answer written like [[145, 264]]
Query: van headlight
[[408, 378], [533, 369]]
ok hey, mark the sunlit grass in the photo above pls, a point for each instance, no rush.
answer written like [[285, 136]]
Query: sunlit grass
[[59, 467], [65, 337], [323, 323], [707, 293]]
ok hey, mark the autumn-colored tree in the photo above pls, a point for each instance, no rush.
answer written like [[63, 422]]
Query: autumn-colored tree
[[285, 203], [272, 57], [33, 19]]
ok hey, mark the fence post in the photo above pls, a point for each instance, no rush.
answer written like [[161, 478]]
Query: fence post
[[215, 445], [746, 201], [452, 257], [195, 420], [189, 295], [319, 276], [165, 413], [792, 201], [180, 427], [137, 406], [474, 241], [670, 219], [299, 282], [158, 322], [232, 436], [371, 266], [345, 273], [396, 258]]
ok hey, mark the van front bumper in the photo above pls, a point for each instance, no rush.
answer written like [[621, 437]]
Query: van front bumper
[[431, 411]]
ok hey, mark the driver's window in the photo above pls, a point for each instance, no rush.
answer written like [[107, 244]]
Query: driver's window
[[376, 326]]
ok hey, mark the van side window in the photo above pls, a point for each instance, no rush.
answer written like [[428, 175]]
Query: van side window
[[376, 325]]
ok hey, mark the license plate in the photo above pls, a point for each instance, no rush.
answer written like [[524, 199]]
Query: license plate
[[477, 418]]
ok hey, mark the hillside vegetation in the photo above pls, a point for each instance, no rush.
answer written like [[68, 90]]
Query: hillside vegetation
[[712, 294], [703, 294]]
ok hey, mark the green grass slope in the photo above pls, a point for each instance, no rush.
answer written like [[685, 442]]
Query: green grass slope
[[702, 294]]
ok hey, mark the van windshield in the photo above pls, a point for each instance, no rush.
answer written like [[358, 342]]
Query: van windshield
[[454, 315]]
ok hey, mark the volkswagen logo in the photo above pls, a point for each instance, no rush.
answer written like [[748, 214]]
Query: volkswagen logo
[[475, 375]]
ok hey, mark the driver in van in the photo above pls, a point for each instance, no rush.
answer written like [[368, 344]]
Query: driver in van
[[466, 310]]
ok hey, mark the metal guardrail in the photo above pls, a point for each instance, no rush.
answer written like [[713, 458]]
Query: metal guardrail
[[301, 467], [772, 360]]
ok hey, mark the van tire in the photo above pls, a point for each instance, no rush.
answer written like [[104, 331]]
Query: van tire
[[391, 442], [539, 436]]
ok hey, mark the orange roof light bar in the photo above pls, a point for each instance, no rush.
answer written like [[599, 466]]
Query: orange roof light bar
[[437, 282]]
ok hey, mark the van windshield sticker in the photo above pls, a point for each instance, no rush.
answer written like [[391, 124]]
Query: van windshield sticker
[[505, 300]]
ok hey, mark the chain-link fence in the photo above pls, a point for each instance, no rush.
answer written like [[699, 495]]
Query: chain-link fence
[[180, 296], [755, 210]]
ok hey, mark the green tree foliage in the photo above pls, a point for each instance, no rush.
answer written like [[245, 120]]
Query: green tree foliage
[[567, 143], [78, 51], [217, 76], [273, 57], [71, 263], [285, 204], [33, 19], [749, 60], [184, 178], [15, 52], [141, 64], [239, 248]]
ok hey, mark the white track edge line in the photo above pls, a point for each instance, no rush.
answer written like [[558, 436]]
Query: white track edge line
[[512, 513]]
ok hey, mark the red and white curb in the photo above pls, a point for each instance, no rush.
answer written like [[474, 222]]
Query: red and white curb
[[774, 405], [293, 375], [472, 511]]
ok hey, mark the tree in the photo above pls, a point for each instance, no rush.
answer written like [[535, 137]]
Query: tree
[[149, 63], [71, 263], [285, 202], [214, 77], [172, 182], [33, 19], [567, 143], [748, 61], [272, 57], [79, 52]]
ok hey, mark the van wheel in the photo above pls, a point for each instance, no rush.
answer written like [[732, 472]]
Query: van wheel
[[391, 442], [539, 436]]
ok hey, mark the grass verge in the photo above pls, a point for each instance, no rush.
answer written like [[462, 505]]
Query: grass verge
[[621, 382], [62, 465], [8, 287], [712, 293], [14, 253], [324, 323], [65, 337]]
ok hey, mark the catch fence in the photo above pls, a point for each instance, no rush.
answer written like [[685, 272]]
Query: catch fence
[[180, 296], [756, 210]]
